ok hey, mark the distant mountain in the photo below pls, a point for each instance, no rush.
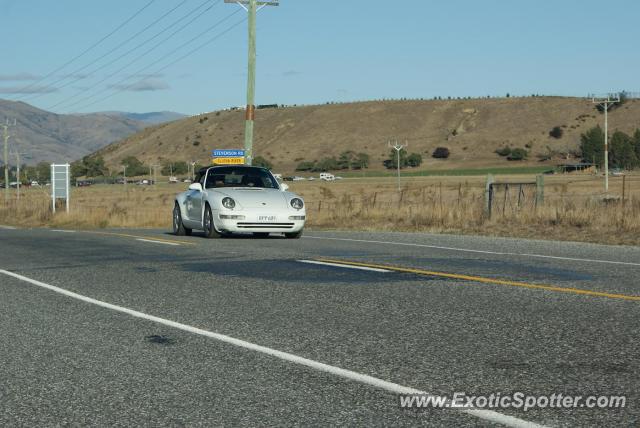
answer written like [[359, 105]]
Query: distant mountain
[[152, 118], [52, 137]]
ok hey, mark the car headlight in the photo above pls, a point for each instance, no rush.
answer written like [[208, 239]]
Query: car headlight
[[297, 203], [228, 203]]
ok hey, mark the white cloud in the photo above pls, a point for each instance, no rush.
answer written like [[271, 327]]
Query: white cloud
[[18, 77], [142, 86], [27, 89]]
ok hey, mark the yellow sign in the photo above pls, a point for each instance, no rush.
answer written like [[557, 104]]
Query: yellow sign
[[228, 161]]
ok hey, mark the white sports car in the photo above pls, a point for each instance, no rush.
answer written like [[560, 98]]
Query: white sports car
[[230, 199]]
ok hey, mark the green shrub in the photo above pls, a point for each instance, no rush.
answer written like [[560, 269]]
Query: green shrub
[[556, 132], [505, 151], [518, 154]]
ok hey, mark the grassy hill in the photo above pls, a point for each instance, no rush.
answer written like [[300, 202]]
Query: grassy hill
[[471, 129]]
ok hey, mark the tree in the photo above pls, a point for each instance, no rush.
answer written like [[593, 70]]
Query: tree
[[393, 162], [306, 166], [134, 166], [262, 162], [622, 150], [556, 132], [592, 146], [361, 161], [345, 160], [78, 169], [95, 166], [414, 160], [176, 168], [43, 171], [441, 153], [518, 154], [636, 143], [326, 164]]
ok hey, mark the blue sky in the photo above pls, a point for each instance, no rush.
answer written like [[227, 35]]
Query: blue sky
[[313, 52]]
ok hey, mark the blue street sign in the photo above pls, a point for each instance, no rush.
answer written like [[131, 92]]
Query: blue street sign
[[227, 153]]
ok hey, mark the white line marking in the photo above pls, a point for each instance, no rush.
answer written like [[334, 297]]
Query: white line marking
[[63, 231], [467, 250], [395, 388], [8, 227], [314, 262], [157, 242]]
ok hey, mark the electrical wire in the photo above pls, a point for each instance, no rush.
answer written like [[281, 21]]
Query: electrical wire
[[77, 71], [72, 60], [191, 52], [138, 58], [117, 85]]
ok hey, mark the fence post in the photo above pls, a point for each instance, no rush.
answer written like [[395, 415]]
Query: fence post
[[487, 195], [539, 189]]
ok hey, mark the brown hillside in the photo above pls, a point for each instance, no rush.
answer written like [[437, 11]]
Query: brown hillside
[[471, 129]]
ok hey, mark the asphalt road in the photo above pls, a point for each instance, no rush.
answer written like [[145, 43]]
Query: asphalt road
[[306, 343]]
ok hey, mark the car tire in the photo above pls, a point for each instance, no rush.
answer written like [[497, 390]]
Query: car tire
[[208, 224], [294, 235], [178, 226], [261, 234]]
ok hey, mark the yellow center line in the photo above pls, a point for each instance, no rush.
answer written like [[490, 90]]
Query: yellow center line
[[488, 280], [149, 238]]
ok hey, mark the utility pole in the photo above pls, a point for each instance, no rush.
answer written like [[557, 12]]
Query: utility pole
[[398, 148], [605, 102], [124, 177], [252, 7], [6, 157]]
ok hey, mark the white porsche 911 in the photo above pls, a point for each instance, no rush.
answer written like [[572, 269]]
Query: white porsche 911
[[238, 199]]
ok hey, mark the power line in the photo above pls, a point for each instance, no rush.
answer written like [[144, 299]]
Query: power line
[[84, 67], [130, 63], [191, 52], [142, 70], [32, 84], [81, 91]]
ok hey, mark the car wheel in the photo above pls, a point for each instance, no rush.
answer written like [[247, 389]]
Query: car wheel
[[209, 227], [178, 226], [294, 235], [261, 234]]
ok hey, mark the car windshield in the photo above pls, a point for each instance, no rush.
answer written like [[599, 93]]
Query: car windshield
[[240, 177]]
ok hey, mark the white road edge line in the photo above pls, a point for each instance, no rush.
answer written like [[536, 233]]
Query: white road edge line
[[157, 242], [488, 415], [467, 250], [62, 231], [314, 262], [8, 227]]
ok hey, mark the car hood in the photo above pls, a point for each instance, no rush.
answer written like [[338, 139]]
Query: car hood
[[256, 198]]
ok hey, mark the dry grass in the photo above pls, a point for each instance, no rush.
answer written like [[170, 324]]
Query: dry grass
[[573, 208]]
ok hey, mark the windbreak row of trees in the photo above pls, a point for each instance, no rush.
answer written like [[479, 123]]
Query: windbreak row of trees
[[94, 166], [347, 160], [624, 149]]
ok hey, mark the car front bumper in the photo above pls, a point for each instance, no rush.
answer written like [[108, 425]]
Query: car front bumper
[[260, 222]]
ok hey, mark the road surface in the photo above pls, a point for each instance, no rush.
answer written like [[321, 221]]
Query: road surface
[[139, 327]]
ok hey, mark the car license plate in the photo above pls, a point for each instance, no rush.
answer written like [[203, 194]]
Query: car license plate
[[266, 218]]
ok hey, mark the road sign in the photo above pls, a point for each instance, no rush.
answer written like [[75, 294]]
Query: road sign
[[228, 161], [60, 184], [227, 153]]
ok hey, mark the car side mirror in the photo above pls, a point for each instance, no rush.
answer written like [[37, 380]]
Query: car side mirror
[[284, 187], [195, 186]]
